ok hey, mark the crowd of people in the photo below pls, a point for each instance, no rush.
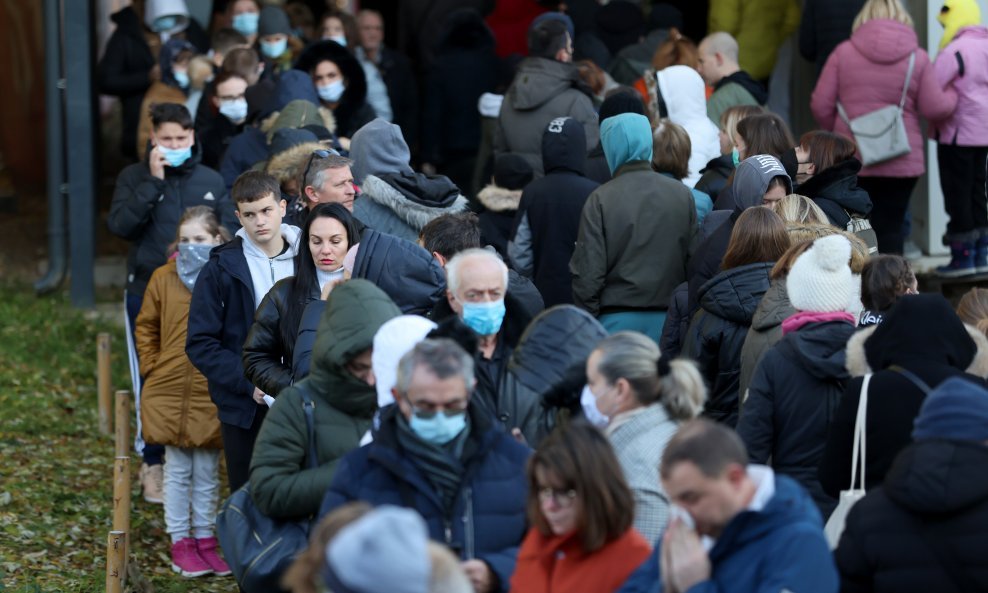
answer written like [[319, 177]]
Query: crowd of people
[[591, 319]]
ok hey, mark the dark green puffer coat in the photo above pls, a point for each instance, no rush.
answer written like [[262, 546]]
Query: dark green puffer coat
[[280, 481]]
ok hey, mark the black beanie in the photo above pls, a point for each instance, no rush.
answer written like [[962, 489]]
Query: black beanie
[[511, 171], [621, 102], [273, 20]]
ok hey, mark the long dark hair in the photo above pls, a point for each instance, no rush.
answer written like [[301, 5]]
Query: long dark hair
[[305, 281]]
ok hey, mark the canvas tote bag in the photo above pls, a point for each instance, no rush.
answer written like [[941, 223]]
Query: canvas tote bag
[[835, 524]]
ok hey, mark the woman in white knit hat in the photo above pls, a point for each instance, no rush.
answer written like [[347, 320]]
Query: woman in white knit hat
[[798, 384]]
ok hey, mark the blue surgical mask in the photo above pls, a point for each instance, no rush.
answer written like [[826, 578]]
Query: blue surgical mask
[[331, 92], [274, 49], [165, 23], [182, 78], [191, 258], [484, 318], [735, 157], [338, 39], [235, 111], [176, 156], [440, 429], [246, 22]]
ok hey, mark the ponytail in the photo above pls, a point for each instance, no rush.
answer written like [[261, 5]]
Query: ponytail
[[681, 388]]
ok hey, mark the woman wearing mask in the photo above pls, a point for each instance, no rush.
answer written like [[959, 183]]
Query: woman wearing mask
[[245, 15], [869, 72], [641, 398], [339, 26], [727, 304], [176, 410], [341, 85], [827, 173], [581, 512], [799, 382], [329, 231], [717, 174]]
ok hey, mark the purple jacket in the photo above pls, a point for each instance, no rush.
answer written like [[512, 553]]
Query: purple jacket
[[969, 124], [867, 73]]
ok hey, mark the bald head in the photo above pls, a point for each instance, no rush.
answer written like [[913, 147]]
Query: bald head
[[718, 57]]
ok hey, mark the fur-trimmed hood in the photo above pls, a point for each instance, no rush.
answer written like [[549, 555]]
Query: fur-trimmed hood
[[857, 361], [416, 202], [288, 164], [499, 199]]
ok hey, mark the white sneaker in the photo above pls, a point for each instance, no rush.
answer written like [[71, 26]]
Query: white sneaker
[[152, 482]]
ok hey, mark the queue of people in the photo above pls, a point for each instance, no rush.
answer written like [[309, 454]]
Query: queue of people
[[434, 344]]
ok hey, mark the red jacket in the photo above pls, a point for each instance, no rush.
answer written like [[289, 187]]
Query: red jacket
[[558, 564], [509, 22]]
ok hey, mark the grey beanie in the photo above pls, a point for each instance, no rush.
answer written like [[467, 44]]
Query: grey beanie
[[752, 177], [385, 550], [272, 21], [378, 148]]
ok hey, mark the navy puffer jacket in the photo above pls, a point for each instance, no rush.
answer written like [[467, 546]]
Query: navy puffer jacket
[[488, 520]]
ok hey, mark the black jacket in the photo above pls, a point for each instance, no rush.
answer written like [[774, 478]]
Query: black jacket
[[220, 315], [792, 400], [921, 334], [403, 93], [825, 23], [548, 219], [596, 167], [716, 334], [465, 68], [705, 263], [836, 192], [270, 344], [713, 177], [925, 529], [124, 68], [556, 345], [215, 135], [146, 210], [756, 89], [352, 111]]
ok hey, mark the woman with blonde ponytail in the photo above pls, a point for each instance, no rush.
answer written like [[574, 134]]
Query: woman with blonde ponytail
[[973, 309], [640, 397]]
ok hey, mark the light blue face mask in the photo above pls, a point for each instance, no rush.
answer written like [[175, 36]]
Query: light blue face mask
[[735, 157], [440, 429], [484, 318], [273, 49], [235, 111], [246, 22], [165, 23], [175, 156], [182, 78], [331, 92]]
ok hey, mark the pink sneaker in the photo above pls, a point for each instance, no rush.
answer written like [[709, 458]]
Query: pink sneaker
[[207, 547], [186, 559]]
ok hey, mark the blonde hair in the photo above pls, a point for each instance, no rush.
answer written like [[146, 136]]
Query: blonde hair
[[973, 309], [303, 575], [882, 9], [447, 574], [797, 209], [802, 236], [732, 115]]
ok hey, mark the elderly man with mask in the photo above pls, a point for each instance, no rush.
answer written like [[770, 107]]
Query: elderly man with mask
[[437, 453]]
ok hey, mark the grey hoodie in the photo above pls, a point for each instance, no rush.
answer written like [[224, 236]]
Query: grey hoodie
[[264, 270], [752, 177], [378, 148]]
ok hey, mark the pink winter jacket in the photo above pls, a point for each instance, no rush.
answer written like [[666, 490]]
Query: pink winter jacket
[[867, 73], [969, 124]]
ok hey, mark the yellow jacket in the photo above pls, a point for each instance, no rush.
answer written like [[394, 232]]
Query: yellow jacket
[[760, 27]]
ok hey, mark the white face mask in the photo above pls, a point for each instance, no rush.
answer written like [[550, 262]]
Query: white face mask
[[593, 414], [331, 92]]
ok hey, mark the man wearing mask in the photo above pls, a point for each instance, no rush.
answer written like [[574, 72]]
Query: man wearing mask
[[148, 202], [230, 100], [436, 452]]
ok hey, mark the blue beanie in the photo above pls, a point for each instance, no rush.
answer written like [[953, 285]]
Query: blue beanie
[[956, 410]]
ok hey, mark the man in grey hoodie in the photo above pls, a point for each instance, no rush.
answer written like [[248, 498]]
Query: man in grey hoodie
[[394, 199]]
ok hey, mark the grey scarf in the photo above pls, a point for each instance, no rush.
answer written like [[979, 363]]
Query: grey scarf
[[442, 465], [191, 259]]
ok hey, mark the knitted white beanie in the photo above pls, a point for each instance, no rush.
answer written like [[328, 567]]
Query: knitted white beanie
[[821, 281]]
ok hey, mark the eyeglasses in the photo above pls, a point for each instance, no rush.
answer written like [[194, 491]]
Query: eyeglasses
[[320, 153], [561, 498], [449, 410]]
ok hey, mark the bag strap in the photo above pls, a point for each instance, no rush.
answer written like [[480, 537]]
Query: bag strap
[[308, 406], [912, 378], [860, 428], [909, 75]]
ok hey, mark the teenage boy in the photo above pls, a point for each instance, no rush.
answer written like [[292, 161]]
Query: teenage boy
[[148, 202], [227, 292]]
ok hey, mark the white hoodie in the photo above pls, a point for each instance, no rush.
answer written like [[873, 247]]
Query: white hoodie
[[155, 9], [264, 270], [686, 101]]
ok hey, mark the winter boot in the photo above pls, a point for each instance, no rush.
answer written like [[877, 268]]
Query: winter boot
[[207, 550], [186, 559], [152, 479], [961, 260], [981, 254]]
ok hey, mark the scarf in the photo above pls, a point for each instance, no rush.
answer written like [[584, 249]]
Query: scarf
[[442, 465], [801, 318], [190, 261]]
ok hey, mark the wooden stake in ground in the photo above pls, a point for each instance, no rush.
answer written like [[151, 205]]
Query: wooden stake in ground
[[116, 556], [121, 498], [122, 424], [103, 382]]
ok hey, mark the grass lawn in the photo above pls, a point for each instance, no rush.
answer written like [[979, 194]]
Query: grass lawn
[[56, 471]]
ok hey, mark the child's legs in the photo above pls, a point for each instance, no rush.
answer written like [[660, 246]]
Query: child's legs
[[957, 174], [979, 188], [205, 490], [178, 481]]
